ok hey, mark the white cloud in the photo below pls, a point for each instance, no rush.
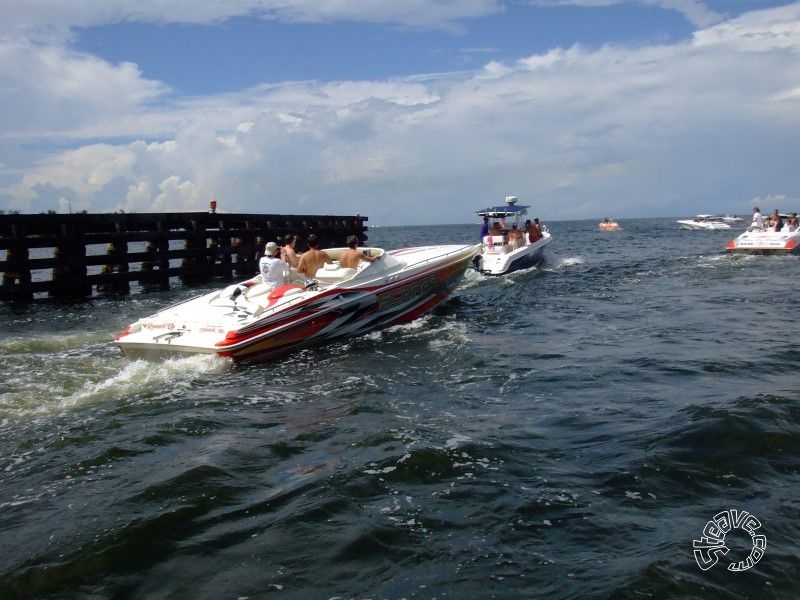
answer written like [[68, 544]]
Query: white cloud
[[756, 32], [51, 90], [646, 130], [54, 18], [695, 11]]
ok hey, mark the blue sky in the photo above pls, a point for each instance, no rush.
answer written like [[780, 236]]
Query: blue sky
[[410, 112]]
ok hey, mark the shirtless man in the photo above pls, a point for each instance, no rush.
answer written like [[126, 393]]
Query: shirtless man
[[287, 251], [313, 258], [351, 257], [514, 238]]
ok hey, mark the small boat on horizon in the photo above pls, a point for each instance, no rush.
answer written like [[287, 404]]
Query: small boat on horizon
[[253, 321], [508, 247], [608, 224]]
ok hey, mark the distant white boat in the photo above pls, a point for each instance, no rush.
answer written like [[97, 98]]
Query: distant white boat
[[498, 255], [704, 222]]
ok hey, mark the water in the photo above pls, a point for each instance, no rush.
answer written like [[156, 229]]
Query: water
[[564, 432]]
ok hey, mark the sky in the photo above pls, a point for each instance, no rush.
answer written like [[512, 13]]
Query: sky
[[412, 112]]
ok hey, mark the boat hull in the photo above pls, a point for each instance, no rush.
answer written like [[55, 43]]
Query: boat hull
[[404, 285], [765, 242], [502, 262]]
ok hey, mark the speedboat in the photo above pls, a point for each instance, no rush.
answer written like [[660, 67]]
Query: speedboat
[[704, 222], [499, 254], [758, 240], [609, 225], [253, 321]]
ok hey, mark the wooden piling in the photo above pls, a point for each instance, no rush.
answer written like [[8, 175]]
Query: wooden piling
[[71, 257]]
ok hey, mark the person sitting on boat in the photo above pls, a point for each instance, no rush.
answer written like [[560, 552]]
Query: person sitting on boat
[[775, 221], [274, 271], [287, 251], [351, 257], [514, 237], [794, 223], [758, 219], [313, 258], [484, 228]]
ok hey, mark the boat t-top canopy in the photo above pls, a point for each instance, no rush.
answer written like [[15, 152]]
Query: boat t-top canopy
[[509, 210]]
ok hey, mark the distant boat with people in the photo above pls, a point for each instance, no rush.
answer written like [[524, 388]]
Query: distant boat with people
[[510, 242], [609, 224]]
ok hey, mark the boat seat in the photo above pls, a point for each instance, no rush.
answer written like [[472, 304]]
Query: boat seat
[[495, 243], [333, 273]]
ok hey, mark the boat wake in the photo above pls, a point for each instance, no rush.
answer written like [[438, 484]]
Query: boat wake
[[563, 263], [41, 395]]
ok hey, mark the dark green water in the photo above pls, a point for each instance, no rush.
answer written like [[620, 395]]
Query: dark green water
[[559, 433]]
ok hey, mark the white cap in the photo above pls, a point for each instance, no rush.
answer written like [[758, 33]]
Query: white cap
[[271, 249]]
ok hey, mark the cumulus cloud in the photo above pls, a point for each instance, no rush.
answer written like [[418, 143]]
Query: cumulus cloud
[[50, 90], [54, 18], [695, 11], [651, 129]]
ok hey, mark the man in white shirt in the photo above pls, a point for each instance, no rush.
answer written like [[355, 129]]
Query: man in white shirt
[[758, 219], [274, 271]]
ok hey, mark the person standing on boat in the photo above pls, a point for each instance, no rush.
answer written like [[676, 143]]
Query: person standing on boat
[[758, 219], [514, 237], [313, 258], [274, 271], [537, 228], [776, 221], [485, 228]]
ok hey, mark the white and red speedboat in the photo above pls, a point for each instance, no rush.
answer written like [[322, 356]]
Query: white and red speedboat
[[765, 240], [252, 321]]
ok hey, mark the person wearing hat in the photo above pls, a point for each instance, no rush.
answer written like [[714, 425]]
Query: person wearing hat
[[274, 271]]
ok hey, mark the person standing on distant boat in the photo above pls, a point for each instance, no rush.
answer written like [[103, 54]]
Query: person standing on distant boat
[[530, 231], [274, 271], [485, 228], [351, 257], [758, 219], [313, 258], [776, 221], [538, 228], [514, 237]]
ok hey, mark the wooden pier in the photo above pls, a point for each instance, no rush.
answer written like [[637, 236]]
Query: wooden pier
[[72, 257]]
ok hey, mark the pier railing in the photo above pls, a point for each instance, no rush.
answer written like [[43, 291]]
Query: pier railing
[[72, 257]]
